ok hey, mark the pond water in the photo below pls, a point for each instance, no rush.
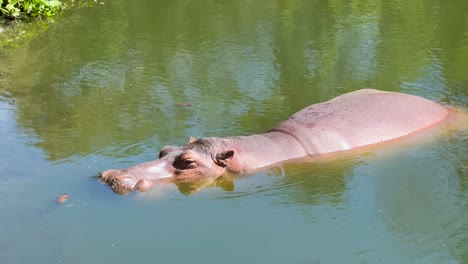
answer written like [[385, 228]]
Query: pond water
[[99, 89]]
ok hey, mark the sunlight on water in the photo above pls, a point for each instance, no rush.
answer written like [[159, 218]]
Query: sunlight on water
[[110, 85]]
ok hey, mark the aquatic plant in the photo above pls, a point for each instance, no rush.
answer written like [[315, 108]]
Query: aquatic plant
[[15, 20], [13, 9]]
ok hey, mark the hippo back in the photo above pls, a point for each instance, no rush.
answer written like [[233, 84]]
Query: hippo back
[[361, 118]]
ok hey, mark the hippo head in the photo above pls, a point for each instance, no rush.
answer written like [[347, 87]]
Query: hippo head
[[203, 158]]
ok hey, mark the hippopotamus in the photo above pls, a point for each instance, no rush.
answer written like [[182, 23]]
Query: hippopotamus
[[347, 122]]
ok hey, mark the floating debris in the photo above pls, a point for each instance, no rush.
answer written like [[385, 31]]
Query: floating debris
[[62, 198], [184, 104]]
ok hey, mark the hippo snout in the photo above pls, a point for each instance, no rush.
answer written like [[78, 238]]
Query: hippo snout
[[120, 181], [108, 176]]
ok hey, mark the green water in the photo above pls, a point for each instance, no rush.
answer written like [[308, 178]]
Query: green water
[[99, 88]]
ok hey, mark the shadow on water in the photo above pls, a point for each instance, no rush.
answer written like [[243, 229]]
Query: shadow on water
[[309, 183]]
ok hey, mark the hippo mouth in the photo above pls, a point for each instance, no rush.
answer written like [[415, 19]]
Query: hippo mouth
[[123, 182], [120, 183]]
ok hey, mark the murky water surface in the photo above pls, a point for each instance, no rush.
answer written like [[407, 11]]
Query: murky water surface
[[99, 89]]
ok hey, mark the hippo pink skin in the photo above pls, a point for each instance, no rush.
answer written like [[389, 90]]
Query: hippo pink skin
[[349, 121]]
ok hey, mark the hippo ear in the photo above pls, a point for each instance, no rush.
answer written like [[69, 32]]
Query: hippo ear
[[191, 140], [224, 157]]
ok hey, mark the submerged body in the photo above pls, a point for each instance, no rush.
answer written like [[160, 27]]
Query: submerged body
[[347, 122]]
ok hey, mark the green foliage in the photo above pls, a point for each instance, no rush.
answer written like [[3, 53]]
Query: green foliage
[[15, 8], [19, 31]]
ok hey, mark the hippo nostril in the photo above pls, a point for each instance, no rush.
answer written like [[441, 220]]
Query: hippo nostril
[[123, 181], [122, 177], [120, 181], [107, 174]]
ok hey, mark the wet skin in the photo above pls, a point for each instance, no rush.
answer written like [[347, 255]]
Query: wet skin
[[345, 123]]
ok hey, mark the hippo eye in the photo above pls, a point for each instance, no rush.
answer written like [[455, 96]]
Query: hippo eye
[[184, 163], [190, 163]]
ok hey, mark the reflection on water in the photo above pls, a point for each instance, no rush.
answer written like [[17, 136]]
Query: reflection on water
[[101, 88], [439, 197]]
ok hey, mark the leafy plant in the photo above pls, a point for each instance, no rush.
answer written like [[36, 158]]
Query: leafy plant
[[14, 8], [9, 9]]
